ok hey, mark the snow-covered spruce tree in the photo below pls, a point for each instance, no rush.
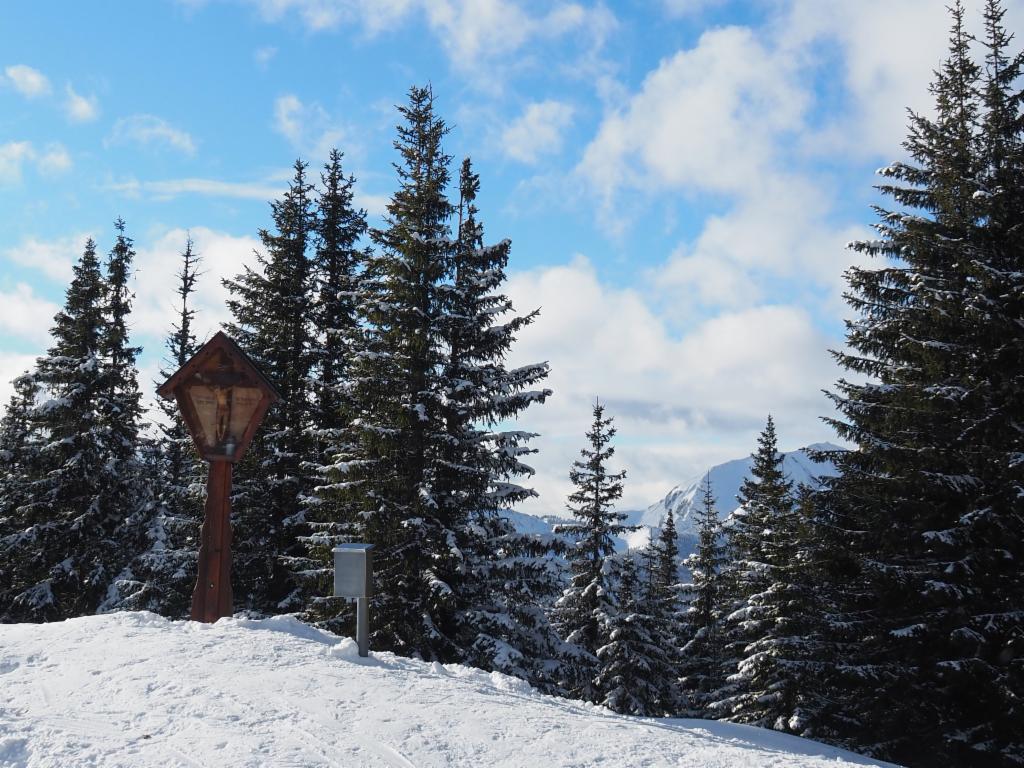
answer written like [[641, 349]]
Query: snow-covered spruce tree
[[19, 450], [658, 600], [927, 510], [67, 549], [701, 670], [507, 579], [19, 467], [161, 576], [121, 404], [337, 265], [765, 629], [272, 311], [384, 480], [984, 666], [585, 608], [120, 401], [632, 664]]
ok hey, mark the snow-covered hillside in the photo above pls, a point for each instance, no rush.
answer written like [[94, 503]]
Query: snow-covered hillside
[[133, 689], [726, 480]]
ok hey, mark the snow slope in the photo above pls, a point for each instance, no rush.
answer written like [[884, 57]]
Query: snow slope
[[133, 689]]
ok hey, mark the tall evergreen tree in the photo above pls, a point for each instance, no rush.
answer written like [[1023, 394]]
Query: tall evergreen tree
[[584, 611], [272, 311], [931, 606], [385, 477], [508, 579], [69, 545], [162, 574], [120, 402], [19, 450], [20, 446], [762, 539], [337, 267], [121, 399], [337, 264]]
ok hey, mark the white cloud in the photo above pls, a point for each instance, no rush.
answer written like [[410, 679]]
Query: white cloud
[[54, 258], [884, 68], [13, 156], [679, 398], [706, 119], [78, 108], [777, 238], [538, 131], [148, 130], [168, 189], [688, 7], [54, 160], [470, 31], [475, 31], [25, 316], [320, 15], [27, 81], [375, 205], [264, 55], [307, 127]]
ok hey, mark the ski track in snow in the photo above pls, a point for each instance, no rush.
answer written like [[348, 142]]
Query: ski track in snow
[[133, 689]]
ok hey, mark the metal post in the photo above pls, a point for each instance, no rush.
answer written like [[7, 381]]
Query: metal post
[[363, 625], [211, 598]]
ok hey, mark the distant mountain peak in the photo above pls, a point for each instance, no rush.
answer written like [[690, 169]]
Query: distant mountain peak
[[726, 480]]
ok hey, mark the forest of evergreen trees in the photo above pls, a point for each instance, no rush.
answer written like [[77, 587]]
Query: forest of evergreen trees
[[883, 611]]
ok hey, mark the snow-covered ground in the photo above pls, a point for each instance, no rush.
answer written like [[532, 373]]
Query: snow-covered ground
[[133, 689]]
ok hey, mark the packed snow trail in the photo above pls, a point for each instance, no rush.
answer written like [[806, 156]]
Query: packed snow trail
[[133, 689]]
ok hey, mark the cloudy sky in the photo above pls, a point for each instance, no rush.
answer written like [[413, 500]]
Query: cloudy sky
[[678, 178]]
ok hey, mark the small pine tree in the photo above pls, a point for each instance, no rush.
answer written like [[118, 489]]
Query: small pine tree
[[632, 664], [586, 607], [659, 599], [702, 660]]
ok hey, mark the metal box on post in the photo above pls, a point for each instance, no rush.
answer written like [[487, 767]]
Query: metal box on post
[[353, 570], [353, 578]]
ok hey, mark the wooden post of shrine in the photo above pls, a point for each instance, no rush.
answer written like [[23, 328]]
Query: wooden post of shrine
[[223, 398]]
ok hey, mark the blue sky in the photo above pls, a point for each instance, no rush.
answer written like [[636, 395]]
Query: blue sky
[[678, 178]]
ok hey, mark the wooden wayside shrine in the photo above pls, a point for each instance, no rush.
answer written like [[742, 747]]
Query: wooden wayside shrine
[[223, 398]]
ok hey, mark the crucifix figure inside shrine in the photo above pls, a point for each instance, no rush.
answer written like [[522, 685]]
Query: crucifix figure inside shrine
[[223, 397]]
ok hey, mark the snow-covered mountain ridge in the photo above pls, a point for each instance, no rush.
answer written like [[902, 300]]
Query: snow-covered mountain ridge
[[133, 689], [726, 480]]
